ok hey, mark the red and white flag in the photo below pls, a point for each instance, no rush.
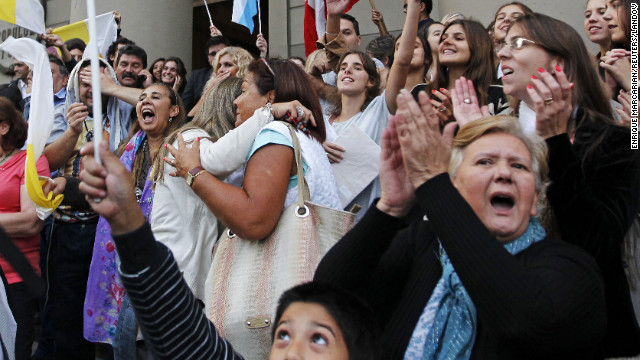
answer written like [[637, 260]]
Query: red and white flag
[[315, 22]]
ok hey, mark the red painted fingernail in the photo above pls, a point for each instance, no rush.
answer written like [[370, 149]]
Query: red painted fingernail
[[441, 89], [529, 86], [534, 77], [540, 70], [198, 139], [572, 85], [433, 91], [166, 145], [164, 159], [558, 69]]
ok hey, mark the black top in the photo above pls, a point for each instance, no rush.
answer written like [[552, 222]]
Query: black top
[[195, 86], [594, 203], [170, 318], [545, 302]]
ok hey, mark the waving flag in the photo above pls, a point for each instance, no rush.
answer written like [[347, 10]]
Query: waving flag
[[106, 27], [35, 56], [28, 14], [315, 22], [243, 13]]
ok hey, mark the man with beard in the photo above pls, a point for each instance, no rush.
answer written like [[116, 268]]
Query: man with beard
[[123, 94]]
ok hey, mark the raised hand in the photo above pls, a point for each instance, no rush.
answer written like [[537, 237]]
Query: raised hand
[[336, 7], [262, 45], [426, 150], [551, 97], [76, 115], [466, 107], [398, 195]]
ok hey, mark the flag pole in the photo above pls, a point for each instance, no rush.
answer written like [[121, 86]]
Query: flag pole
[[95, 79], [206, 6], [259, 18]]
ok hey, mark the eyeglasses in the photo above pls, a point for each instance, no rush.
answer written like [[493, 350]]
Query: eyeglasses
[[516, 43], [268, 67]]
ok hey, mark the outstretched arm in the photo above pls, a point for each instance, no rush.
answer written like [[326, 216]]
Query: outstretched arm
[[177, 329], [400, 68]]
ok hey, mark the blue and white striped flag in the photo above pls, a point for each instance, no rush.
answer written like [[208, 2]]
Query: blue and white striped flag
[[243, 13]]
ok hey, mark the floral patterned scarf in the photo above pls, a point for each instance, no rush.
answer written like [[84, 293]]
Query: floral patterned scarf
[[104, 289]]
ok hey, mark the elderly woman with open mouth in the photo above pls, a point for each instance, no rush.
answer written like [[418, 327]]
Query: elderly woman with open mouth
[[473, 275]]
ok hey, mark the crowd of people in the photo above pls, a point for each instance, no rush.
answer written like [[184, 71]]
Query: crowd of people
[[502, 222]]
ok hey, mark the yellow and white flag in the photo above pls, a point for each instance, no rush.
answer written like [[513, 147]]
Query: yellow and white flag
[[40, 120], [106, 27], [28, 14]]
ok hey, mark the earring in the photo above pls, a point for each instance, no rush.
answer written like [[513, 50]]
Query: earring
[[170, 119]]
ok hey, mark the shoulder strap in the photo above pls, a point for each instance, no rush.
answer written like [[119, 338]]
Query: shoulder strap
[[303, 189]]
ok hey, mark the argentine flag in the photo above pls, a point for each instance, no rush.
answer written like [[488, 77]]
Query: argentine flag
[[243, 13]]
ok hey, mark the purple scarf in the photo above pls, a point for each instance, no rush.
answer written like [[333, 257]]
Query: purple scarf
[[104, 289]]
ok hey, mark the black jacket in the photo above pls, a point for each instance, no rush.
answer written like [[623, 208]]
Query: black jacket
[[545, 302]]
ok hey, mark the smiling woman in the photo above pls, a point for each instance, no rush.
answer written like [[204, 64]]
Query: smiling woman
[[160, 112], [174, 74]]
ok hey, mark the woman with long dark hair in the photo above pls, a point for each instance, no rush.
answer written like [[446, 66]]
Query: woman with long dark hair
[[174, 74]]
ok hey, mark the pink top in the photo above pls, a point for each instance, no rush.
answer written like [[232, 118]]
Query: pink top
[[11, 177]]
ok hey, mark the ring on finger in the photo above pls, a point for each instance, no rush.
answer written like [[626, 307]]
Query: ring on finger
[[467, 101], [548, 101], [444, 108], [299, 111]]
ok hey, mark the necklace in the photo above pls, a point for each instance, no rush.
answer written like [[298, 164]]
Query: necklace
[[6, 156]]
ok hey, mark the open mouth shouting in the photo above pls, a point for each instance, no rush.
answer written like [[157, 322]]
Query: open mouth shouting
[[502, 203], [148, 115]]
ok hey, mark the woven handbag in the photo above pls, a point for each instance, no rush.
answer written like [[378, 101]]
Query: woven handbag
[[247, 278]]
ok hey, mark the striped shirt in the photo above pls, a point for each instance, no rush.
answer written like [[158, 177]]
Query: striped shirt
[[173, 324]]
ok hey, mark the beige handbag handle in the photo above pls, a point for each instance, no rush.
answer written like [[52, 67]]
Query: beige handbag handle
[[303, 189]]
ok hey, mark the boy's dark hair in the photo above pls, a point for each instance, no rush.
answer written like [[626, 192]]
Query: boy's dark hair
[[135, 51], [353, 20], [429, 6], [217, 40], [353, 316], [75, 43], [111, 52], [381, 47]]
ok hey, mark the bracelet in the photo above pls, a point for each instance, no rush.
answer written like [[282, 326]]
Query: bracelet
[[332, 34], [269, 107]]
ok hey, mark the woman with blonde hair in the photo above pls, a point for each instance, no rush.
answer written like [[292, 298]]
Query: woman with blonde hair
[[229, 62]]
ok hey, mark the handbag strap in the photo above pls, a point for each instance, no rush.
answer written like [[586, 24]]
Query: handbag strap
[[303, 189]]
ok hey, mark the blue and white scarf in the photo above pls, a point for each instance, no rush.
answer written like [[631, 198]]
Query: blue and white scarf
[[447, 327]]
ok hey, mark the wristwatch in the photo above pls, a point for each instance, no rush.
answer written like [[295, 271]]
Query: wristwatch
[[191, 175]]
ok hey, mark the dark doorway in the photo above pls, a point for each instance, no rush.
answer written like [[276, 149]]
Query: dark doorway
[[238, 35]]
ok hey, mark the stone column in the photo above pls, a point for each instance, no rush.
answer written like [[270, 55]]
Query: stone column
[[161, 27]]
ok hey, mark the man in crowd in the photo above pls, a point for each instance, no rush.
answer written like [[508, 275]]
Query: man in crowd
[[198, 79], [21, 71], [73, 229]]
